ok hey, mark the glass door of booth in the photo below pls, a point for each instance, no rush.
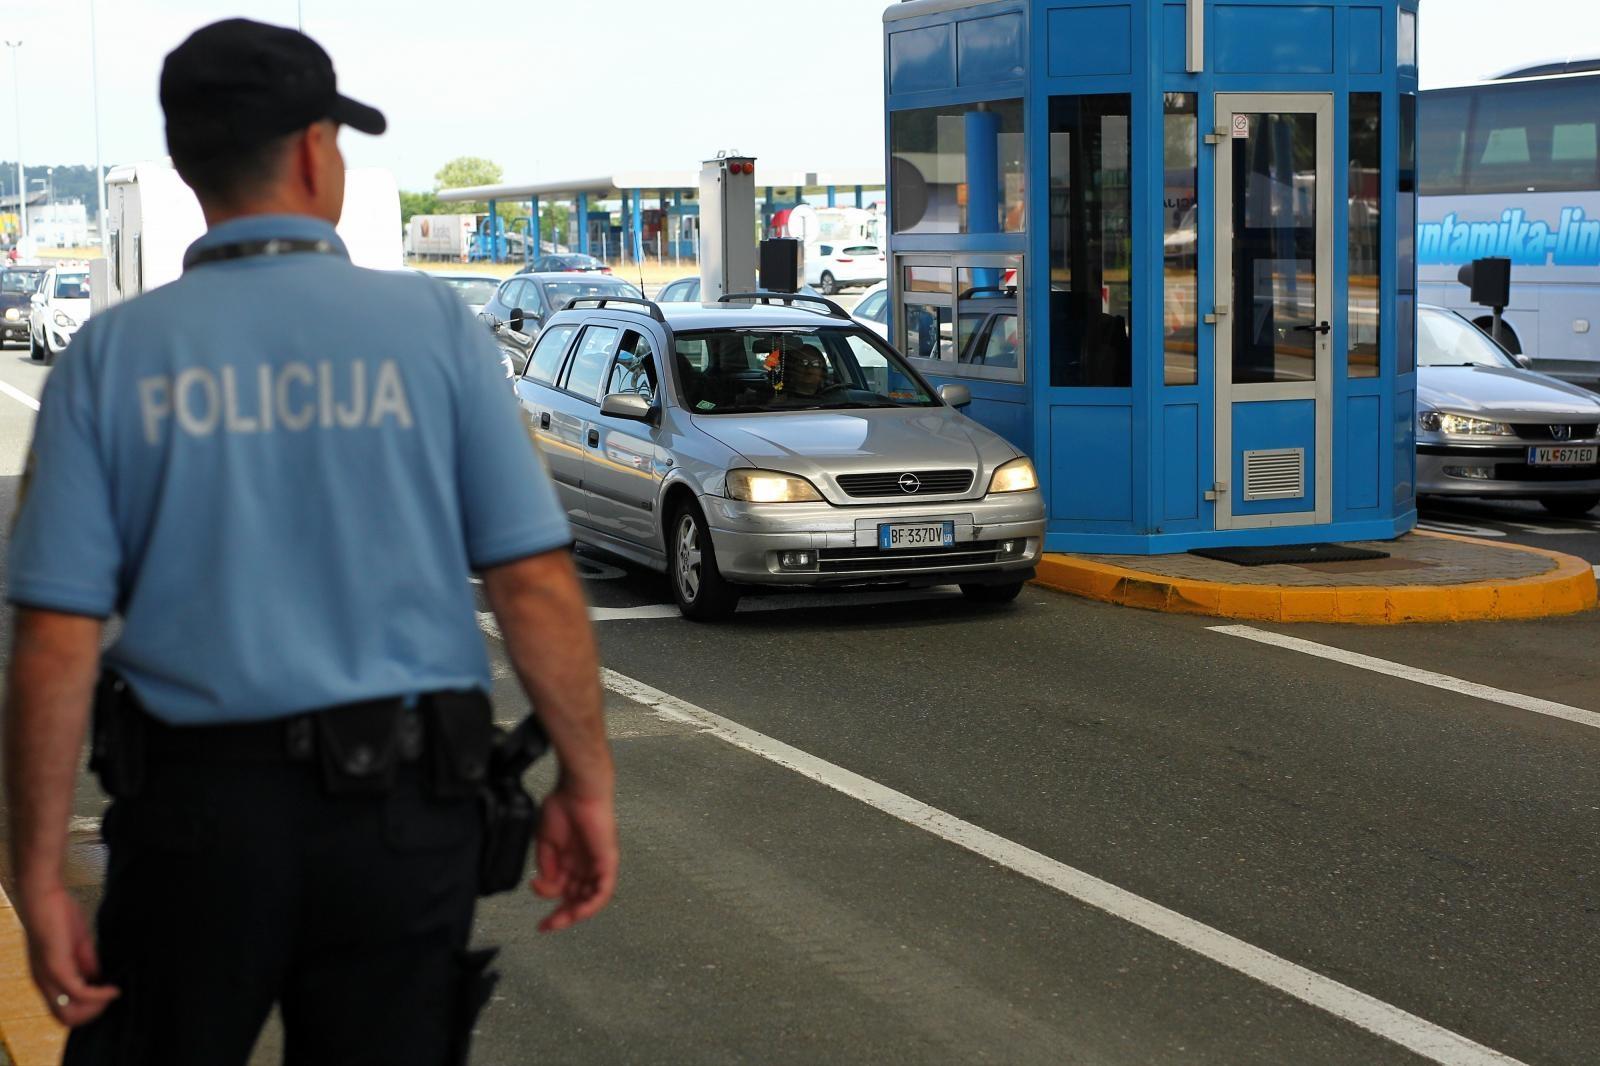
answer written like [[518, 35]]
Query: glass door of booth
[[1274, 306]]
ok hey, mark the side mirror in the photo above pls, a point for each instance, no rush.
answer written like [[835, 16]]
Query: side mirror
[[629, 405], [955, 395], [1524, 361], [37, 299], [489, 320], [521, 319]]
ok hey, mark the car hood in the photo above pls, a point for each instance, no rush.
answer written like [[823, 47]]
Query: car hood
[[817, 443], [13, 299], [1503, 393]]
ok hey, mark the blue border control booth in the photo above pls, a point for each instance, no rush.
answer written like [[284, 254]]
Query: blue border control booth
[[1169, 247]]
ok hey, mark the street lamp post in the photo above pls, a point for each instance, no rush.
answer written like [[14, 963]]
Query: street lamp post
[[99, 174], [16, 102]]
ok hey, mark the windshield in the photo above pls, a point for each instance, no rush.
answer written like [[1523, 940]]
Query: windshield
[[472, 290], [1445, 339], [21, 281], [557, 293], [740, 371], [72, 287]]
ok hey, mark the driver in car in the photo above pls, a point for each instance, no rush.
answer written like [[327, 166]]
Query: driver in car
[[802, 375]]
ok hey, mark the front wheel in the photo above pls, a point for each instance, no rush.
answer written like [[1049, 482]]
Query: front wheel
[[992, 593], [1569, 506], [828, 285], [701, 592], [33, 349]]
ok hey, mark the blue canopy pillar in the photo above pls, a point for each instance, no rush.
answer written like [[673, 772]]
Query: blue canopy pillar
[[533, 248], [860, 197], [833, 196], [583, 223], [637, 226]]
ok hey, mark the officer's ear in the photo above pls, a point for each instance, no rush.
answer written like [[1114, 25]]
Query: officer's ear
[[317, 169]]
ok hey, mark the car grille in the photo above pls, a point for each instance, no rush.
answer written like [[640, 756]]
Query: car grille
[[1524, 472], [929, 483], [1541, 430], [972, 554]]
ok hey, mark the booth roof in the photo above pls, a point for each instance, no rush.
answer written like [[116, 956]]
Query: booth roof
[[668, 180]]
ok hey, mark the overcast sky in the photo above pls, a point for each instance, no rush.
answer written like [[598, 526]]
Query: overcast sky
[[555, 89]]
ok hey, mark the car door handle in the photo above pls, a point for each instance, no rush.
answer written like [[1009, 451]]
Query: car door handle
[[544, 420], [594, 438], [1321, 327]]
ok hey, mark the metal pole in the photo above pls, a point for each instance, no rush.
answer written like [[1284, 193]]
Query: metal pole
[[99, 173], [22, 183]]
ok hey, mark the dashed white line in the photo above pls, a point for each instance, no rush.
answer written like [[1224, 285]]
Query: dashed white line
[[1412, 673], [18, 395], [1375, 1016]]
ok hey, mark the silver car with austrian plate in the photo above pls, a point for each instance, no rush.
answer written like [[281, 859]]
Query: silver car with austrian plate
[[1488, 426], [772, 441]]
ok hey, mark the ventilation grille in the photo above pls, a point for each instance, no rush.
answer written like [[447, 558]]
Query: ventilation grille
[[1279, 474]]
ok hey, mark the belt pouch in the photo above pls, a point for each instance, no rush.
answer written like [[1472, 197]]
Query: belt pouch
[[358, 747], [117, 738], [461, 734], [510, 818]]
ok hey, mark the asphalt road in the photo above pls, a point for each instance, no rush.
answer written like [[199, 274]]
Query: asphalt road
[[904, 829]]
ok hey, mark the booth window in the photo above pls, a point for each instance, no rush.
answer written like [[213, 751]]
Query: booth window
[[988, 318], [1406, 228], [1366, 181], [927, 304], [957, 168], [1180, 240], [1091, 241]]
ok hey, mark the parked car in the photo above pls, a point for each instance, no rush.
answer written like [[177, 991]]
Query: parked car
[[748, 444], [873, 310], [986, 330], [519, 308], [562, 264], [831, 267], [56, 311], [17, 284], [1488, 426], [476, 289], [687, 290]]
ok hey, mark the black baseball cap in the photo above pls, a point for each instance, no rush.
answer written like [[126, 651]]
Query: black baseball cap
[[237, 83]]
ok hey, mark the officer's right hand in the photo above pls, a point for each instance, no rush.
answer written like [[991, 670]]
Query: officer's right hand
[[577, 855], [62, 956]]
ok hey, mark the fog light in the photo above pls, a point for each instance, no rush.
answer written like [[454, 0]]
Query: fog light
[[1479, 473], [797, 560]]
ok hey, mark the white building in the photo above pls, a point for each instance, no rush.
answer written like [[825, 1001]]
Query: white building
[[59, 225]]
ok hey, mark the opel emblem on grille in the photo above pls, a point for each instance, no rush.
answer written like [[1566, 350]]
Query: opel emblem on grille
[[910, 483], [1560, 432]]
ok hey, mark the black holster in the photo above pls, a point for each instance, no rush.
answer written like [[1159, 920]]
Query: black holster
[[510, 814], [117, 738]]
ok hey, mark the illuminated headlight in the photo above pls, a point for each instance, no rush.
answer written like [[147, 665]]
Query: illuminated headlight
[[1015, 476], [1461, 425], [769, 486], [63, 321], [12, 315]]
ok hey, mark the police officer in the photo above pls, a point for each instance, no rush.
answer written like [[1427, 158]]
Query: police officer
[[278, 472]]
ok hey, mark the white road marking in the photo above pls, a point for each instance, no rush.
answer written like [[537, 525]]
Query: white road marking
[[623, 614], [1458, 529], [1375, 1016], [1412, 673], [18, 395], [794, 602]]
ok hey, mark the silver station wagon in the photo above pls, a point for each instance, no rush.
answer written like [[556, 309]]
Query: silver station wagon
[[773, 441]]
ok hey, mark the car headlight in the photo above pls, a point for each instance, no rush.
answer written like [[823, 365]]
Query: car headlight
[[63, 321], [12, 315], [1015, 476], [1462, 425], [769, 486]]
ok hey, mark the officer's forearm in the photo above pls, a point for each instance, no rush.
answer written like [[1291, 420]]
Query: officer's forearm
[[540, 607], [49, 690]]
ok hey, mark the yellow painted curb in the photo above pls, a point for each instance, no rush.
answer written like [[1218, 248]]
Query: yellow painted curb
[[1567, 589], [31, 1035]]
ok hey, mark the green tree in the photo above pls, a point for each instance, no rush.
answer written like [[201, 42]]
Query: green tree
[[418, 203], [464, 172]]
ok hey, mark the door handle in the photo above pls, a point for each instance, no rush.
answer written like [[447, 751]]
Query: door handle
[[1321, 327], [544, 420], [594, 438]]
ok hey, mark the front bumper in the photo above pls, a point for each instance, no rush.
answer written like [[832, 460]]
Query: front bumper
[[1500, 470], [998, 538], [15, 331]]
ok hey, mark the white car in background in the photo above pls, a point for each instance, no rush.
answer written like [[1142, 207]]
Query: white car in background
[[873, 310], [831, 267], [56, 311]]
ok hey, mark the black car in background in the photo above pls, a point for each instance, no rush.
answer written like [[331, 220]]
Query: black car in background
[[519, 308], [570, 263], [17, 286]]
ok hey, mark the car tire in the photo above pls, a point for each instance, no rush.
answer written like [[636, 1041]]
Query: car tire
[[33, 349], [826, 285], [698, 587], [1569, 506], [992, 593]]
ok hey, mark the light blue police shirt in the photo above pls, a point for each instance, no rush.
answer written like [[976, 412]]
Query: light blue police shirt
[[279, 471]]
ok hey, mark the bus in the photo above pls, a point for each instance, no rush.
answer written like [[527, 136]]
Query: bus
[[1511, 167]]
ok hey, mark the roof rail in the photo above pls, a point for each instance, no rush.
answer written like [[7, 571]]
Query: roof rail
[[650, 306], [832, 309], [1003, 290]]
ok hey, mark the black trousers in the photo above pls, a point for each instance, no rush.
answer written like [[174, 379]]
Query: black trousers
[[232, 887]]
